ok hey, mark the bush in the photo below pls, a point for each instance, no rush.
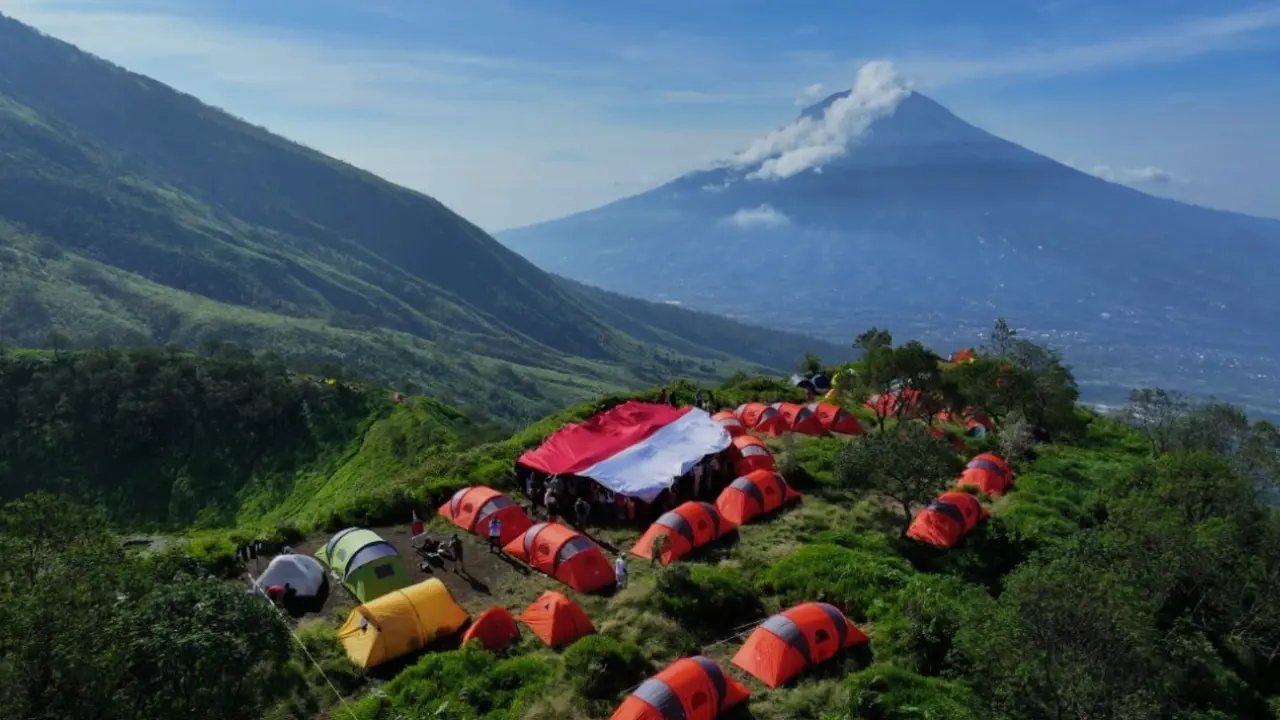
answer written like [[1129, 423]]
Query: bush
[[852, 580], [602, 668], [711, 600], [916, 632], [885, 692]]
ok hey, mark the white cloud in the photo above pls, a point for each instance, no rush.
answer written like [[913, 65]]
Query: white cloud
[[1137, 175], [761, 217], [719, 187], [809, 94], [807, 143]]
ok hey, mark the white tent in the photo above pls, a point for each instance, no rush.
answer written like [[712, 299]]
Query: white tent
[[301, 572]]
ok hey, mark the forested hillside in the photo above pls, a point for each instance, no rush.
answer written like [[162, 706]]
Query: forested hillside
[[1132, 571], [131, 213]]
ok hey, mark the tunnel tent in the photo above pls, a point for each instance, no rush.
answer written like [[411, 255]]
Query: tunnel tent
[[471, 509], [761, 418], [793, 641], [400, 622], [303, 573], [556, 620], [564, 554], [494, 629], [749, 453], [691, 688], [836, 419], [730, 422], [754, 494], [633, 449], [799, 419], [687, 528], [945, 521], [990, 474], [364, 563]]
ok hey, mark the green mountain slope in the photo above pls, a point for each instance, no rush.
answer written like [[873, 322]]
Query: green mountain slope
[[130, 211]]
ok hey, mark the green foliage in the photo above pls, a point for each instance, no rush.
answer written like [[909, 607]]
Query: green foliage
[[915, 631], [709, 600], [853, 580], [907, 465], [885, 692], [599, 667]]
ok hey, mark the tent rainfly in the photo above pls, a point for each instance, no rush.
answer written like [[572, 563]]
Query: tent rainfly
[[366, 564], [400, 622], [692, 688], [791, 642]]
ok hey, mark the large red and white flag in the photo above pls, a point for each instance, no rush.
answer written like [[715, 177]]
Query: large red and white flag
[[634, 449]]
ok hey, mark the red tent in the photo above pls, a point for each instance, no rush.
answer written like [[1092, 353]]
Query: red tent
[[689, 526], [494, 628], [556, 619], [730, 421], [786, 645], [693, 688], [800, 419], [947, 520], [836, 419], [761, 418], [471, 509], [890, 404], [564, 554], [748, 453], [989, 473], [756, 493]]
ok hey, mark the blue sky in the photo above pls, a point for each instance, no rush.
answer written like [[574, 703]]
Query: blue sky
[[514, 112]]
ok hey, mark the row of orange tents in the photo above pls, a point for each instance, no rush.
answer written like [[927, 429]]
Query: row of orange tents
[[814, 419], [955, 513]]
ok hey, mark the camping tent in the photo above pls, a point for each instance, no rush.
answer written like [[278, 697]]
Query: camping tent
[[693, 688], [400, 622], [946, 521], [799, 419], [303, 573], [905, 403], [730, 422], [556, 619], [836, 419], [366, 564], [787, 644], [633, 449], [821, 383], [756, 493], [761, 418], [564, 554], [471, 509], [750, 453], [494, 628], [689, 526], [989, 473]]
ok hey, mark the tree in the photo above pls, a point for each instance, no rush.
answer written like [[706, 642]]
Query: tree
[[810, 364], [907, 465], [910, 371], [1158, 414], [1001, 340], [872, 339]]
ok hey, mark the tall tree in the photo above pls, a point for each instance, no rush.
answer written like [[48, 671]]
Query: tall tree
[[1159, 414], [907, 465]]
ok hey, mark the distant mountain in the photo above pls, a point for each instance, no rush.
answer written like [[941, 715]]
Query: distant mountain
[[130, 212], [881, 207]]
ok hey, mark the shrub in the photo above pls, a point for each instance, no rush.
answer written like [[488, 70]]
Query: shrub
[[885, 692], [601, 668], [709, 599], [853, 580], [916, 631]]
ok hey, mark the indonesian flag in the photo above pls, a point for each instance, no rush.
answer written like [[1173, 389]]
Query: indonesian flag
[[635, 449], [416, 526]]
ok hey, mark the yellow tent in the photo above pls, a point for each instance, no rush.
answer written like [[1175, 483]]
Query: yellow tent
[[400, 622]]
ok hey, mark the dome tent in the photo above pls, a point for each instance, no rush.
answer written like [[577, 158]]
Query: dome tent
[[749, 453], [400, 622], [688, 527], [556, 619], [761, 418], [730, 422], [471, 509], [945, 521], [303, 573], [564, 554], [800, 419], [989, 473], [692, 688], [494, 629], [754, 494], [364, 563], [791, 642]]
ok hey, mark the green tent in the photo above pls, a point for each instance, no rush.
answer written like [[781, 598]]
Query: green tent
[[364, 563]]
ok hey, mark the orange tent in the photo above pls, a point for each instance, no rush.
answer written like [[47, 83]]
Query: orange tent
[[890, 404], [800, 419], [761, 418], [693, 688], [556, 619], [836, 419], [731, 423], [494, 628], [471, 509], [786, 645], [753, 494], [964, 355], [689, 526], [564, 554], [947, 520], [989, 473], [748, 453]]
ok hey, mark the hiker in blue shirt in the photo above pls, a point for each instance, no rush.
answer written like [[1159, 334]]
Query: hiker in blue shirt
[[495, 535]]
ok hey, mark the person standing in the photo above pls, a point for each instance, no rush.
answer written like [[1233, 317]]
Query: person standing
[[495, 534], [455, 551], [582, 512], [620, 571], [550, 501]]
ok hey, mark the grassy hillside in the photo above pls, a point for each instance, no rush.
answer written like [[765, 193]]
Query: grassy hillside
[[132, 213]]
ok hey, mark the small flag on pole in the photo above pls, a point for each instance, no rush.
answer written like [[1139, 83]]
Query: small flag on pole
[[416, 527]]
